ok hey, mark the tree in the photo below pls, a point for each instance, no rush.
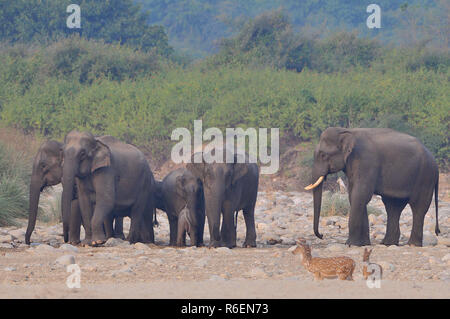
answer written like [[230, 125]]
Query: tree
[[114, 21]]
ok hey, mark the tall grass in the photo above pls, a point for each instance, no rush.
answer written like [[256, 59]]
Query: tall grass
[[14, 176]]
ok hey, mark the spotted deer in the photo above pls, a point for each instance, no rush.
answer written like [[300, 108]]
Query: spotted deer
[[331, 267], [368, 264]]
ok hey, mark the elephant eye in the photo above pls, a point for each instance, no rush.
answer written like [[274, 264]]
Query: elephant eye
[[82, 154]]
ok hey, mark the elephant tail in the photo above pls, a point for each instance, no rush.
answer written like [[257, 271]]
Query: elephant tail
[[155, 220], [436, 191]]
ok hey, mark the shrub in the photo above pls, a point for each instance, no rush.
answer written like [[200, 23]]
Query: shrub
[[14, 175], [336, 204]]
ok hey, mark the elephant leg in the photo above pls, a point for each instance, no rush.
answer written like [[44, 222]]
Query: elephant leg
[[181, 232], [394, 208], [200, 227], [85, 206], [101, 212], [228, 232], [173, 227], [141, 228], [108, 226], [75, 223], [250, 236], [358, 223], [118, 228], [419, 209]]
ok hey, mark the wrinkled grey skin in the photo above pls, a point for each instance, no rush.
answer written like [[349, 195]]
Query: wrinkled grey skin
[[228, 188], [47, 171], [384, 162], [181, 192], [184, 226], [113, 179]]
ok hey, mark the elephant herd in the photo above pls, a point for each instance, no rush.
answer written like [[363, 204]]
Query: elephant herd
[[105, 180]]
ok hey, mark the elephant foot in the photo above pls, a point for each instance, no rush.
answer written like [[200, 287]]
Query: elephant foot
[[357, 242], [414, 242], [249, 244], [74, 242], [97, 243], [214, 244], [389, 242]]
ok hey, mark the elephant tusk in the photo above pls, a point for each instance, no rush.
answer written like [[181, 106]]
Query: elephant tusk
[[317, 183]]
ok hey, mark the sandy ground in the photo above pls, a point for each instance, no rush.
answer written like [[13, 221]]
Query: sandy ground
[[268, 271]]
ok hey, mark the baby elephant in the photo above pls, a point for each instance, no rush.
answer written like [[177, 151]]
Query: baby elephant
[[181, 196]]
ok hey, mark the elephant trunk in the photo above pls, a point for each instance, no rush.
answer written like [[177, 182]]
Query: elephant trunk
[[317, 194], [213, 211], [68, 179], [35, 191]]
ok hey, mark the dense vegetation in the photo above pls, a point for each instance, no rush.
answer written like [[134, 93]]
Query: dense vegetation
[[113, 21], [196, 26], [14, 179]]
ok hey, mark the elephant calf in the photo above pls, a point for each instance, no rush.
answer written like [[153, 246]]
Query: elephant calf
[[180, 195]]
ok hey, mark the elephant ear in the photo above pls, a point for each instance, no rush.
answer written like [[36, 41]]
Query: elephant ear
[[102, 156], [347, 141], [198, 169]]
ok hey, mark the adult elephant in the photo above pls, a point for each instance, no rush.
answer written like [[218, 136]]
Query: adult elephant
[[394, 165], [182, 197], [47, 171], [112, 179], [228, 188]]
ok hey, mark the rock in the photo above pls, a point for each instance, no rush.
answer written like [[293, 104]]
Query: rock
[[6, 238], [225, 250], [9, 269], [373, 219], [271, 239], [68, 247], [434, 260], [18, 234], [141, 246], [287, 240], [387, 266], [429, 240], [44, 247], [202, 262], [157, 261], [335, 247], [443, 241], [7, 246], [143, 258], [116, 242], [65, 260], [256, 273]]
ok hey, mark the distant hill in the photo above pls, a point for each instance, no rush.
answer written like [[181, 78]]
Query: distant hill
[[196, 26]]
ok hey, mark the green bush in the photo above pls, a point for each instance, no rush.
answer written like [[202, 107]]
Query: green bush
[[14, 176], [336, 204]]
